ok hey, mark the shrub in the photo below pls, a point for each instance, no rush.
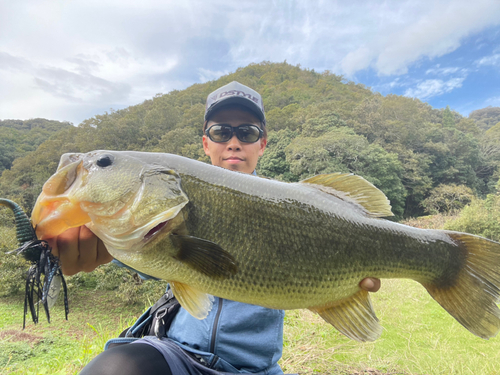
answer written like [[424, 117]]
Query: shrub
[[12, 267], [447, 199], [481, 217]]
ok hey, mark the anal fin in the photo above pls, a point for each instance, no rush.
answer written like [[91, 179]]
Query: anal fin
[[353, 316], [197, 303]]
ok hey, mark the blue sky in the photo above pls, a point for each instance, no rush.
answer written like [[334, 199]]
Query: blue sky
[[71, 60]]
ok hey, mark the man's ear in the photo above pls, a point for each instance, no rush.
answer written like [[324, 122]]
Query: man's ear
[[263, 144], [205, 145]]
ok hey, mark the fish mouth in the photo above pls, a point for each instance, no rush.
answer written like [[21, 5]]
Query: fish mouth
[[51, 217], [134, 239], [155, 231], [54, 210]]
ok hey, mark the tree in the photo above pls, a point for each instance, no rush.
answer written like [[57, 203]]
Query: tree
[[403, 145], [487, 117], [273, 163], [448, 199], [341, 150], [481, 217], [448, 119]]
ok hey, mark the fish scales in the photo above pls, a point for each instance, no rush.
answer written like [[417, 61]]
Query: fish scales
[[259, 241], [269, 244]]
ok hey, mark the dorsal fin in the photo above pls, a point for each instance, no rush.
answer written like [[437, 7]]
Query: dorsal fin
[[347, 186]]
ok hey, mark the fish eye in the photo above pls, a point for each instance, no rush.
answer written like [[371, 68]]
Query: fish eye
[[104, 161]]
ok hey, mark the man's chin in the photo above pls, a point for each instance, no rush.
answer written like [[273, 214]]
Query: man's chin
[[237, 167]]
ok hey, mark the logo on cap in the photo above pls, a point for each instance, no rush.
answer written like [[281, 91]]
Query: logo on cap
[[231, 92]]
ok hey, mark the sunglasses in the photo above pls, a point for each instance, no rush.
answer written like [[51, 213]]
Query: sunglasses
[[224, 132]]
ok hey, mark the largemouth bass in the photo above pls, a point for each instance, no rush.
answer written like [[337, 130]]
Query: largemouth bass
[[211, 231]]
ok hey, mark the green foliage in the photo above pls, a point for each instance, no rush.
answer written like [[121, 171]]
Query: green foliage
[[12, 267], [487, 117], [273, 163], [126, 284], [60, 347], [341, 150], [15, 352], [18, 137], [481, 217], [448, 118], [447, 199], [417, 147], [140, 291]]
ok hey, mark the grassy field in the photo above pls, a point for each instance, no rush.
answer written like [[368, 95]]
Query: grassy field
[[61, 347], [419, 338]]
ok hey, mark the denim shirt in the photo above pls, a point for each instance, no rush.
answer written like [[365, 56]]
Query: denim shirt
[[246, 338]]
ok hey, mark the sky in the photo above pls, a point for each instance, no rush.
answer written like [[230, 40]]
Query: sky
[[70, 60]]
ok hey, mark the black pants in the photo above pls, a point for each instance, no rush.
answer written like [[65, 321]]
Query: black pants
[[128, 359]]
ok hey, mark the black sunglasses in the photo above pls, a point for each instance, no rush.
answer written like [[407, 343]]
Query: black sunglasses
[[224, 132]]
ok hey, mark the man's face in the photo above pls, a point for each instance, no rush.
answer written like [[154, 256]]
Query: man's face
[[234, 154]]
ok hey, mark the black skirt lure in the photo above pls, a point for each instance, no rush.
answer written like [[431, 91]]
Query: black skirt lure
[[45, 269]]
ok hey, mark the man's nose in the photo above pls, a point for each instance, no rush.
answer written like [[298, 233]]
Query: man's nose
[[234, 143]]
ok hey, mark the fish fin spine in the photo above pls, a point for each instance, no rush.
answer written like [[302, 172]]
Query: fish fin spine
[[355, 189], [353, 316], [471, 299]]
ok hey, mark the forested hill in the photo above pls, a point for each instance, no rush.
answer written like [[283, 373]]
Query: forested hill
[[318, 123], [18, 137]]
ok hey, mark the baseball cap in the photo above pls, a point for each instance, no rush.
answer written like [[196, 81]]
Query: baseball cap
[[235, 93]]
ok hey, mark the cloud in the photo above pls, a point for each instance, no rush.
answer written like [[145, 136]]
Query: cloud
[[434, 87], [118, 53], [79, 81], [13, 63], [444, 71], [429, 31], [206, 75], [492, 60], [80, 87]]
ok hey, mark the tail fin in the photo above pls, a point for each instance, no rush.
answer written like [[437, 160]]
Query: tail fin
[[472, 299]]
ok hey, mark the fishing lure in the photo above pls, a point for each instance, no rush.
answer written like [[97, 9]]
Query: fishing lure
[[44, 279]]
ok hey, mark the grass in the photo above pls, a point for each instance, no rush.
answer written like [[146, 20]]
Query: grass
[[419, 337], [61, 347]]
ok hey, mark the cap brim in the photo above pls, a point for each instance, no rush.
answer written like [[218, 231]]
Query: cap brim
[[236, 100]]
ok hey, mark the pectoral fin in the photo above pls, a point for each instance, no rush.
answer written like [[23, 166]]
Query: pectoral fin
[[197, 303], [204, 256], [353, 316]]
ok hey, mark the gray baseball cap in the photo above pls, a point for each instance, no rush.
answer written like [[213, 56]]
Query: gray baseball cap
[[235, 93]]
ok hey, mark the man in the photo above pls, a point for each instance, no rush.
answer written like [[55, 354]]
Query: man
[[235, 336]]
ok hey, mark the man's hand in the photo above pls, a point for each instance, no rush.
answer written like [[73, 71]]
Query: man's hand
[[79, 250], [370, 284]]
